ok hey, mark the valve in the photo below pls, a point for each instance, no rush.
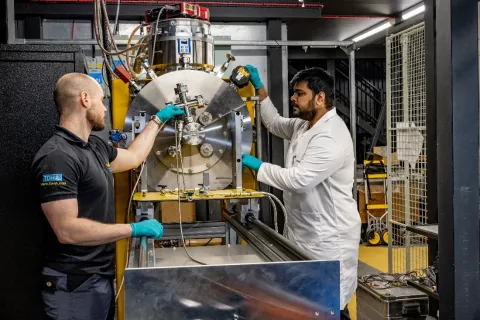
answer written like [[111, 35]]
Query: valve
[[181, 90], [149, 69], [224, 67], [126, 77], [117, 136]]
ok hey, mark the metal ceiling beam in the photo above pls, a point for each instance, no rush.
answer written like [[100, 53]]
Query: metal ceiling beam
[[136, 11], [370, 52], [244, 43]]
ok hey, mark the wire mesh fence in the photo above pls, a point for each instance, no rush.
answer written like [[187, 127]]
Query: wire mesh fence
[[406, 145]]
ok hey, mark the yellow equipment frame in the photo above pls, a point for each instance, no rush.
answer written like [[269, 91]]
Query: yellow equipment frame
[[123, 181]]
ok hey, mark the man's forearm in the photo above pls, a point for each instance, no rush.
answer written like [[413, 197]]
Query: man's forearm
[[143, 143], [86, 232], [262, 93]]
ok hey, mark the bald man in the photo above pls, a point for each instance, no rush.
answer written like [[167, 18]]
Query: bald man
[[73, 175]]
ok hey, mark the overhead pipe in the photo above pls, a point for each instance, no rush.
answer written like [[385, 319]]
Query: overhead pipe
[[319, 44], [355, 17], [211, 3], [288, 43]]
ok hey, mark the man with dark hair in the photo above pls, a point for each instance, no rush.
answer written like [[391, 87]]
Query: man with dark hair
[[73, 173], [318, 177]]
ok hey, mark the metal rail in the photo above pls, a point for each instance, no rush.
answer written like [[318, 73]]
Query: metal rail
[[263, 249], [266, 241], [287, 244], [196, 230], [269, 244], [324, 44]]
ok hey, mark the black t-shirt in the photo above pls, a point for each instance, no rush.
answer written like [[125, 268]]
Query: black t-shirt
[[67, 167]]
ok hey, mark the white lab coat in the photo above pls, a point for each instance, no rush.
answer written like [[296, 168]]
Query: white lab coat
[[317, 184]]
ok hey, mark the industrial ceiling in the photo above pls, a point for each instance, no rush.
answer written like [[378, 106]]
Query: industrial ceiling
[[317, 20], [342, 19]]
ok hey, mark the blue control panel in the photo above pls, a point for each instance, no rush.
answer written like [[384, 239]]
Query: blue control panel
[[184, 46]]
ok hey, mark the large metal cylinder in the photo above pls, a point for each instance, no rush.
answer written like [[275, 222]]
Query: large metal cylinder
[[181, 43]]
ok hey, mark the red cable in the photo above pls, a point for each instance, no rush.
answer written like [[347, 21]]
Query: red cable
[[73, 29], [219, 3]]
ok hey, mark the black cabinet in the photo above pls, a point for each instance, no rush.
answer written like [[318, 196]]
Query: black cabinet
[[27, 78]]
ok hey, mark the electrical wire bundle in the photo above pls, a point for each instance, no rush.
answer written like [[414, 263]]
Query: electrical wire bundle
[[386, 280], [106, 37]]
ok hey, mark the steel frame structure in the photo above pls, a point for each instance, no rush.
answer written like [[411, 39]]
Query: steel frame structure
[[453, 151]]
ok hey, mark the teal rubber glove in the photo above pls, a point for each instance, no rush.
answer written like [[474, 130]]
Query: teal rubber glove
[[254, 76], [251, 162], [169, 112], [147, 228]]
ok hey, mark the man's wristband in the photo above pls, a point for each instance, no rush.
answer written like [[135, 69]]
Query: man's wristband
[[156, 119]]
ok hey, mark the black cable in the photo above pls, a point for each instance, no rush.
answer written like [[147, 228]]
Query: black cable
[[107, 82], [385, 280]]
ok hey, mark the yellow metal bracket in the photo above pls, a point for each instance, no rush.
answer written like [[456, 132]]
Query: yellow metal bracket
[[194, 195]]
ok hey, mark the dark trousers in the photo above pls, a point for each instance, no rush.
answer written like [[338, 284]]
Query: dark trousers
[[77, 298], [344, 314]]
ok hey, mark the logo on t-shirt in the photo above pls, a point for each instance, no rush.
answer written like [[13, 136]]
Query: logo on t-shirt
[[55, 179], [108, 166]]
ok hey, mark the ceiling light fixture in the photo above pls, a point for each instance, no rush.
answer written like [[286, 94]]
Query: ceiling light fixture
[[413, 12], [378, 29]]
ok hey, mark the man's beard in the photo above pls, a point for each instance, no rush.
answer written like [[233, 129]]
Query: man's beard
[[307, 114], [96, 124]]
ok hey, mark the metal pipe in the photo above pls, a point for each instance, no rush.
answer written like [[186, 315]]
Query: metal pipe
[[405, 41], [304, 255], [389, 147], [318, 44], [281, 43], [143, 254], [285, 92], [262, 249], [65, 41], [258, 131], [353, 109]]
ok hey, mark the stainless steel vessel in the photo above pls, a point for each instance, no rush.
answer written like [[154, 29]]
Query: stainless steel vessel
[[181, 43]]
